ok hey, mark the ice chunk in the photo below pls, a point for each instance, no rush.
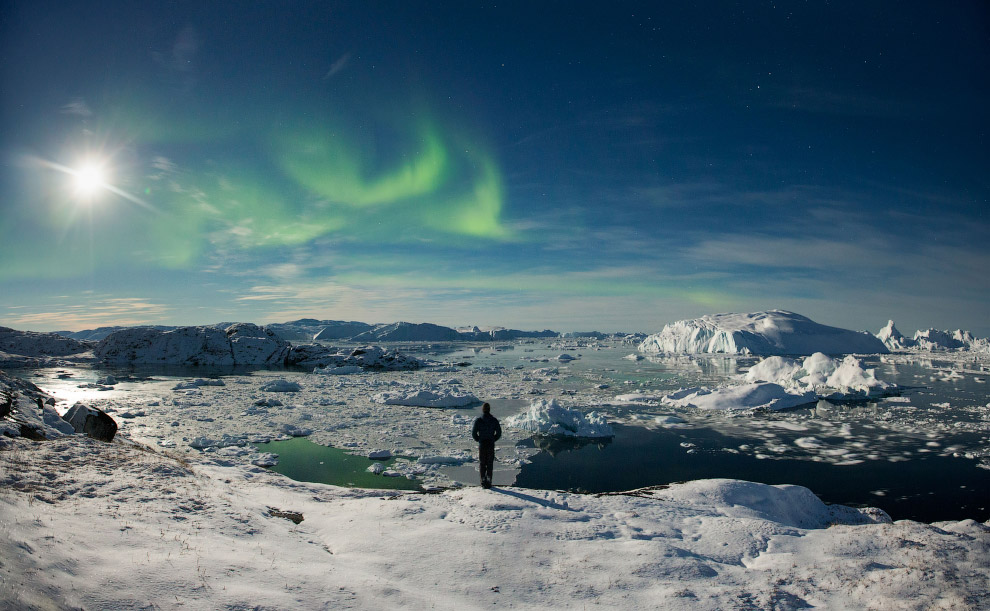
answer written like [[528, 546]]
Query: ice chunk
[[281, 385], [331, 370], [427, 396], [549, 418], [745, 396]]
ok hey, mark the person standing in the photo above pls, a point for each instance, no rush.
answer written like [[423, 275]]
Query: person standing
[[486, 432]]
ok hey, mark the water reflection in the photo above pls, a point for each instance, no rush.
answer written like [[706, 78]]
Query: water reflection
[[558, 445]]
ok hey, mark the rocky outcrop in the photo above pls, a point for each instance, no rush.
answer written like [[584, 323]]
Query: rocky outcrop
[[91, 421]]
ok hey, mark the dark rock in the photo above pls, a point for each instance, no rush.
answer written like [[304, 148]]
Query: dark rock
[[91, 421]]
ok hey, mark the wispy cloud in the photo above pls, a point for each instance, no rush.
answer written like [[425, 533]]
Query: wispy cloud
[[337, 66], [77, 107], [87, 312]]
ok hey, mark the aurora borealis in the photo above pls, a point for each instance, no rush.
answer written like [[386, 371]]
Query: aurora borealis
[[562, 165]]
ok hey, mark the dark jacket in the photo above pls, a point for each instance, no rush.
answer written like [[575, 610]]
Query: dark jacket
[[486, 428]]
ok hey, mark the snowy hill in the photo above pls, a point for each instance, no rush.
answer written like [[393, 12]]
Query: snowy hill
[[210, 534], [772, 332]]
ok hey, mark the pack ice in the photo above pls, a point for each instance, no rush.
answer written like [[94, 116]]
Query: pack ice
[[770, 332]]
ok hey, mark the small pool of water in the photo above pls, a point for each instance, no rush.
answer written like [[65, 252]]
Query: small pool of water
[[305, 461]]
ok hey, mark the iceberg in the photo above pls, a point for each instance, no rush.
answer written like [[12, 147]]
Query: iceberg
[[547, 417], [826, 377], [933, 340], [237, 344], [432, 396], [758, 395], [770, 332]]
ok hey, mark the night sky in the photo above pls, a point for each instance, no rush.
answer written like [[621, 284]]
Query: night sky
[[565, 165]]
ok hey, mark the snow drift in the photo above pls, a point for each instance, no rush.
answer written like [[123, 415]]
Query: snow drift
[[771, 332]]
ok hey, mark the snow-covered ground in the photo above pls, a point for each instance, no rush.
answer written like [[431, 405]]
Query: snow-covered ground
[[109, 526]]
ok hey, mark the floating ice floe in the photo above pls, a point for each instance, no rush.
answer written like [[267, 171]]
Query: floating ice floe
[[281, 385], [331, 370], [779, 382], [763, 395], [427, 396], [265, 459], [547, 417], [197, 383]]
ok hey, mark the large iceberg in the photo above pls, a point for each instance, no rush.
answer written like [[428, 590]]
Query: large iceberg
[[549, 418], [31, 343], [933, 340], [771, 332], [237, 344]]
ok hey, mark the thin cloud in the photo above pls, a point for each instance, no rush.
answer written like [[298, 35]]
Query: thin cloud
[[337, 66], [77, 107]]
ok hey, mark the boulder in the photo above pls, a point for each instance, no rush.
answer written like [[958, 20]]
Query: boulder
[[91, 421]]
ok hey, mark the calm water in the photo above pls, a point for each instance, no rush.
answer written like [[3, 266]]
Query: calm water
[[927, 489], [306, 461]]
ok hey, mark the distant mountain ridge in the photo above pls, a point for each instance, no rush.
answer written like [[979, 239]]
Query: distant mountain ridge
[[311, 329]]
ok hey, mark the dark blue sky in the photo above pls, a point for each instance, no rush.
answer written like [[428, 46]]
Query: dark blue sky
[[564, 165]]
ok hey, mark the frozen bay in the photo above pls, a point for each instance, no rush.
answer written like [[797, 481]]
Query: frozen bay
[[921, 454]]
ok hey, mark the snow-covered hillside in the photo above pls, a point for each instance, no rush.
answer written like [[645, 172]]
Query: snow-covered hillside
[[121, 526], [766, 333]]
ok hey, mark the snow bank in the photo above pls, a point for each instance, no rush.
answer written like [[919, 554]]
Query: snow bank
[[227, 544], [762, 395], [435, 395], [771, 332], [547, 417], [823, 375]]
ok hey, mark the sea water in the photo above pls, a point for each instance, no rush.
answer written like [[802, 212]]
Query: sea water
[[922, 454]]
